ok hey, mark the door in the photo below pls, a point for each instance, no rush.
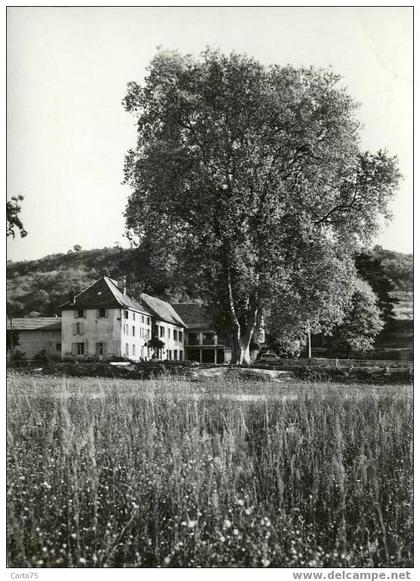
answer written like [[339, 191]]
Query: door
[[100, 350]]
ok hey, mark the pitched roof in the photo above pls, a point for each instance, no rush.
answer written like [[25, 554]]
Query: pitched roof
[[195, 316], [162, 310], [105, 293], [34, 324]]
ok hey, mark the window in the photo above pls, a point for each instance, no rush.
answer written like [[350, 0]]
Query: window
[[181, 355], [126, 314], [175, 335], [147, 333], [80, 313], [133, 351], [142, 318], [101, 313], [193, 338], [133, 330], [180, 336], [126, 350], [78, 329], [58, 347], [208, 338], [175, 354], [148, 320], [78, 348], [169, 354], [134, 316], [161, 331]]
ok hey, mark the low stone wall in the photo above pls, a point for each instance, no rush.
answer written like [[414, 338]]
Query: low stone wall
[[336, 363]]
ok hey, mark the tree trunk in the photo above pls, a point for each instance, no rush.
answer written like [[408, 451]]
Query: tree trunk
[[242, 334], [240, 352]]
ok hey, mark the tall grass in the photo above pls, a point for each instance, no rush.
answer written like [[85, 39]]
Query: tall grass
[[166, 473]]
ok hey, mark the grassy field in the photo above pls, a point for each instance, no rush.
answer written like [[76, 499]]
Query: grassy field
[[168, 473]]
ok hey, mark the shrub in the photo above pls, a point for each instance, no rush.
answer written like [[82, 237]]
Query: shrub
[[17, 356], [42, 357]]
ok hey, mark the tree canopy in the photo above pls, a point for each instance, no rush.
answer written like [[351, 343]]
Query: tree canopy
[[248, 182], [361, 324], [13, 209], [371, 269]]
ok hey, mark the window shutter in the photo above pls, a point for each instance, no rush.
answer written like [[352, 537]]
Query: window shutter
[[74, 328], [73, 348], [75, 314], [81, 328]]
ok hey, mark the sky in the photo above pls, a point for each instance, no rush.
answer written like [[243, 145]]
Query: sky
[[67, 73]]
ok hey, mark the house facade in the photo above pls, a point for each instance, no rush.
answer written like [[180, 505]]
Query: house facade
[[202, 343], [103, 322], [33, 335]]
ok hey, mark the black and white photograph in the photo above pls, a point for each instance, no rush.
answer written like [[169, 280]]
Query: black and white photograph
[[209, 319]]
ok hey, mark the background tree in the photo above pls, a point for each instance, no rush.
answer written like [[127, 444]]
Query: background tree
[[371, 269], [361, 324], [248, 182], [157, 345], [13, 221]]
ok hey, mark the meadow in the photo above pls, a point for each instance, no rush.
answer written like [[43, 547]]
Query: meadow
[[168, 473]]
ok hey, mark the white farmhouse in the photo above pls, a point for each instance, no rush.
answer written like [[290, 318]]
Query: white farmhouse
[[103, 322]]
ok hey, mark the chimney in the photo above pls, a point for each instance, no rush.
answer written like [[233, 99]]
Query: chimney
[[72, 296]]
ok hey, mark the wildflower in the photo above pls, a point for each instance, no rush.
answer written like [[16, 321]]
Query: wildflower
[[167, 560], [191, 524], [240, 502], [248, 511], [265, 562], [82, 561], [227, 524], [235, 532]]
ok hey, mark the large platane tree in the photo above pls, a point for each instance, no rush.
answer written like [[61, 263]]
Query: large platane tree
[[248, 181]]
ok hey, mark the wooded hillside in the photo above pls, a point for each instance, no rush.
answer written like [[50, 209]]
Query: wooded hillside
[[40, 286]]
